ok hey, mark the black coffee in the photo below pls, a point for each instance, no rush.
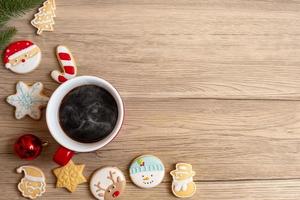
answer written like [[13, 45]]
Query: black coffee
[[88, 113]]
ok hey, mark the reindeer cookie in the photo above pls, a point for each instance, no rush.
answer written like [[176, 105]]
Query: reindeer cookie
[[107, 183]]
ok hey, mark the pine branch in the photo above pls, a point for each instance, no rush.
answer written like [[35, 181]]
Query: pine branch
[[16, 8], [3, 18], [10, 9], [6, 35]]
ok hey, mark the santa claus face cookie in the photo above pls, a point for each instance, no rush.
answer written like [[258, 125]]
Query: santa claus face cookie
[[33, 184], [147, 171], [22, 57]]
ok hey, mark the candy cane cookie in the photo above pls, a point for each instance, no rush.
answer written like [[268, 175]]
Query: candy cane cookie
[[67, 63]]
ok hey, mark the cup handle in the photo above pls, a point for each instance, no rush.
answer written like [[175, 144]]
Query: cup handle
[[63, 155]]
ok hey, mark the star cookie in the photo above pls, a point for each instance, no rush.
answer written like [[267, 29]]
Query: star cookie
[[69, 176], [28, 100]]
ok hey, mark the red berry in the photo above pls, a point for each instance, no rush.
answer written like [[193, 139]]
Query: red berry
[[28, 147]]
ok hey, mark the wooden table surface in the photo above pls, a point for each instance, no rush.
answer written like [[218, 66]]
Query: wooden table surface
[[212, 83]]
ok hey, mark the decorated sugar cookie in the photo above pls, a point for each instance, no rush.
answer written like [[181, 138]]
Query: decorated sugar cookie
[[33, 184], [147, 171], [67, 63], [107, 183], [22, 57], [43, 20], [183, 185], [69, 176], [28, 100]]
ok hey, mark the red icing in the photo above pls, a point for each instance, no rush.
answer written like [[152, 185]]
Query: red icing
[[64, 56], [62, 79], [69, 69], [15, 47], [116, 194]]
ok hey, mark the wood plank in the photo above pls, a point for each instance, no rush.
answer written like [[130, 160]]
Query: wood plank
[[202, 83], [236, 190], [190, 49], [224, 140]]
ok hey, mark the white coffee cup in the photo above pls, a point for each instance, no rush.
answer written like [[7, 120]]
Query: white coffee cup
[[52, 114]]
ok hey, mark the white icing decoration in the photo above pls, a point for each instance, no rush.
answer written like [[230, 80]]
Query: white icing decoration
[[62, 49], [29, 65], [181, 185], [8, 65]]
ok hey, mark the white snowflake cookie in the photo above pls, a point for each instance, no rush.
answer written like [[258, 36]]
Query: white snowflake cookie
[[28, 100]]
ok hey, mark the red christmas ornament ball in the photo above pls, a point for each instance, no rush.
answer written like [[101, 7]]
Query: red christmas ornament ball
[[28, 147]]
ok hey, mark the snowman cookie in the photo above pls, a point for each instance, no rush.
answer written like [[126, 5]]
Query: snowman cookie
[[107, 183], [183, 185], [22, 57], [147, 171], [33, 184]]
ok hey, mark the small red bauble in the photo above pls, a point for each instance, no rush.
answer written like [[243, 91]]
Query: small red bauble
[[28, 147]]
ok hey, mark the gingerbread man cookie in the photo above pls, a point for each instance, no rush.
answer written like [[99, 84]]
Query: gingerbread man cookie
[[33, 184], [107, 183], [28, 100]]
